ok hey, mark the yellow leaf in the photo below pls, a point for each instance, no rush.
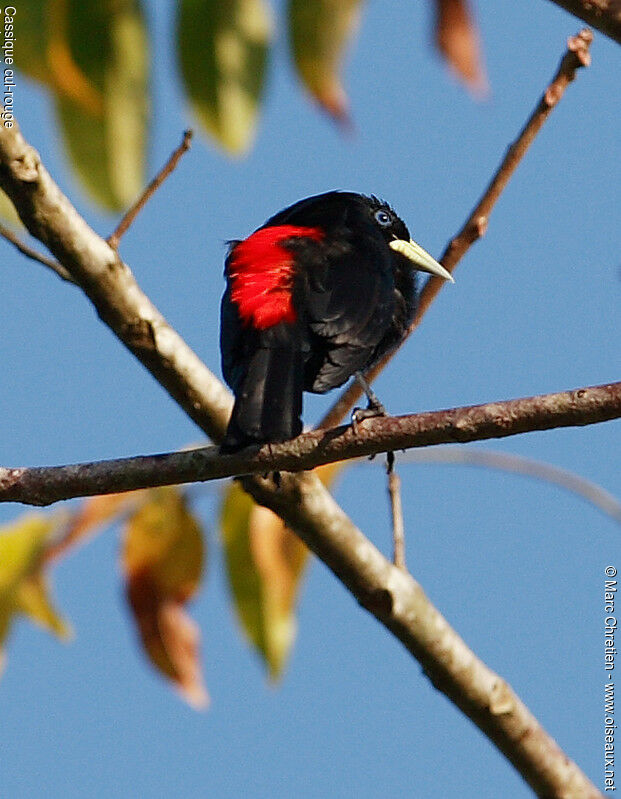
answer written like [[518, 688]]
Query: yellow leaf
[[164, 539], [265, 563], [280, 558], [320, 31], [162, 560], [222, 52], [33, 600], [23, 588]]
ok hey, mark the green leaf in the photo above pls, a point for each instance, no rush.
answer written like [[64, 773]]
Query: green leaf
[[265, 562], [107, 144], [30, 29], [93, 55], [319, 31], [34, 601], [222, 50]]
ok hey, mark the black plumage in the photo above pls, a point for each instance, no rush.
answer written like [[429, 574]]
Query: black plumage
[[319, 292]]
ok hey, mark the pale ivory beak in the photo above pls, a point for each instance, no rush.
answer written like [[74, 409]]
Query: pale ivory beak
[[420, 258]]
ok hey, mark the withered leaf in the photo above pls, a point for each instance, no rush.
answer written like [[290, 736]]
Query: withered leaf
[[163, 560], [457, 39]]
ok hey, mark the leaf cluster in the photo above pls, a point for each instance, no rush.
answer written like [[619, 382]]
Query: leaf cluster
[[94, 58]]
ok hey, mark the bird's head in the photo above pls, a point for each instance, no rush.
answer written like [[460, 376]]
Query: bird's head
[[397, 236], [336, 211]]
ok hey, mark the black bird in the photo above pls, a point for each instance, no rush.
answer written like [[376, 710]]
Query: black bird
[[318, 293]]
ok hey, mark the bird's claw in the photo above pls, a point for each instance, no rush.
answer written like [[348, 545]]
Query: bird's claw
[[360, 414]]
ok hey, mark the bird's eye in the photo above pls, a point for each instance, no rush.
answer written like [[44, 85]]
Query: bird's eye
[[383, 218]]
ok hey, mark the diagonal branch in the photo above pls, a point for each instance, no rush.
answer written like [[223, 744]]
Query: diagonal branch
[[109, 284], [165, 171], [43, 485], [577, 56], [304, 504], [399, 603], [29, 252]]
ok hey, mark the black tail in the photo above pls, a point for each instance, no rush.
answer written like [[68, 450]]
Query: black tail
[[268, 399]]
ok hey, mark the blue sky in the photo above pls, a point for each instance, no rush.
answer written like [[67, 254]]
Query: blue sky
[[517, 566]]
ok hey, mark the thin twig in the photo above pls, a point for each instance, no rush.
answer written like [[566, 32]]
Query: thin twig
[[110, 285], [577, 55], [517, 464], [43, 485], [301, 500], [169, 167], [36, 256], [396, 512], [399, 603]]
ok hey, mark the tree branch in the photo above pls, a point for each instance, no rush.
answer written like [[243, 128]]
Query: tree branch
[[165, 171], [399, 603], [594, 493], [396, 512], [109, 284], [577, 55], [605, 15], [43, 485], [34, 255], [304, 504]]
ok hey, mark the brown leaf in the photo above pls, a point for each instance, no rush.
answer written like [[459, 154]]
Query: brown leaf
[[162, 559], [457, 39], [170, 638], [91, 515]]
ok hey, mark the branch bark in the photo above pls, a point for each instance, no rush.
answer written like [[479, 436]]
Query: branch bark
[[169, 167], [399, 603], [43, 485], [110, 285], [576, 56], [605, 15], [389, 593]]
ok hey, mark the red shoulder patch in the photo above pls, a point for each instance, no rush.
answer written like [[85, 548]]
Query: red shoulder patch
[[260, 271]]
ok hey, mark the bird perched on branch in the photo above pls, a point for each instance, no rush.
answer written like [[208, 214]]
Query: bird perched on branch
[[317, 294]]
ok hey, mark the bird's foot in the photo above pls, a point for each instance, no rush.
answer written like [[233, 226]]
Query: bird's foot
[[360, 414]]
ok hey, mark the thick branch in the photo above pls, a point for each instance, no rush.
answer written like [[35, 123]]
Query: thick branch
[[577, 55], [109, 284], [399, 603], [43, 485], [390, 594], [605, 15]]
